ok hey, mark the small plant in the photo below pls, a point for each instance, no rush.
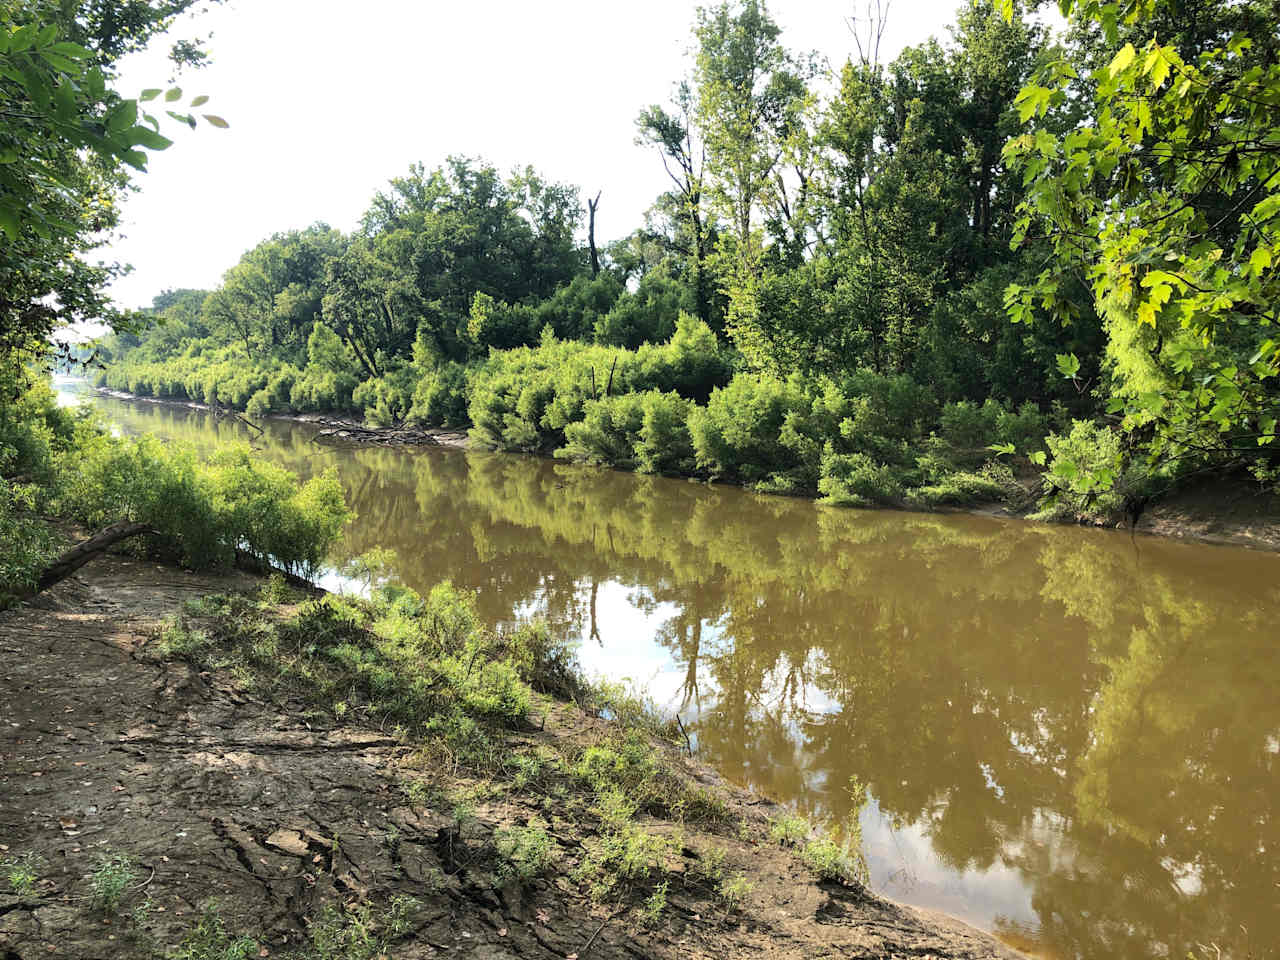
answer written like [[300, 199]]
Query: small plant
[[525, 853], [734, 891], [357, 932], [709, 866], [622, 858], [789, 830], [654, 904], [109, 883], [210, 941], [275, 591], [830, 861], [22, 873], [176, 639], [528, 769]]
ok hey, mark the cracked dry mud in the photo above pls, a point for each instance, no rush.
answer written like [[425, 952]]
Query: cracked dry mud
[[216, 795]]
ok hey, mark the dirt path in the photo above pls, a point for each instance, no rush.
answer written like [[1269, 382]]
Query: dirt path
[[107, 750]]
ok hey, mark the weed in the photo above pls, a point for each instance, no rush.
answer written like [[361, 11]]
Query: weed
[[176, 639], [210, 941], [622, 858], [654, 904], [709, 866], [830, 861], [109, 883], [525, 853], [734, 891], [789, 830], [275, 591], [357, 932], [22, 873], [423, 793]]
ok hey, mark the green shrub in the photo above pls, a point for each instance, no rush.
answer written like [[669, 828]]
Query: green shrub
[[736, 435], [1084, 467], [830, 861], [856, 480], [204, 511], [441, 395], [524, 853]]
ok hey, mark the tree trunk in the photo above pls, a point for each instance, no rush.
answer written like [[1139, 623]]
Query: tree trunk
[[83, 552], [592, 206]]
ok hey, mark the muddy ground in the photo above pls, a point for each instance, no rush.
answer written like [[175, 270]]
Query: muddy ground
[[106, 749]]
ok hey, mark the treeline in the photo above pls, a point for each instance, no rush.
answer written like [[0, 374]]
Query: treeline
[[819, 304]]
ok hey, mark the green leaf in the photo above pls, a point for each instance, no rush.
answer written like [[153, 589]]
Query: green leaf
[[1068, 365], [1122, 60], [172, 94], [72, 51], [216, 121], [199, 101], [150, 94], [1036, 457], [1001, 449], [9, 222]]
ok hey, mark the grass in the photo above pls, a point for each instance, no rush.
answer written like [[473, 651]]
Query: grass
[[21, 873], [524, 853], [830, 861], [110, 882], [467, 698]]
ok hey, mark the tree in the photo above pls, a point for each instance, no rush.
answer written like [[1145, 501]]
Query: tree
[[684, 158], [750, 97], [66, 141], [1166, 197]]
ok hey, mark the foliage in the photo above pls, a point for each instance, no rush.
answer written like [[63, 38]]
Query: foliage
[[66, 142], [209, 940], [525, 853], [203, 511], [21, 873], [1156, 175], [110, 882]]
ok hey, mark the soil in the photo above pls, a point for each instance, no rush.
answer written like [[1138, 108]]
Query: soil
[[106, 748]]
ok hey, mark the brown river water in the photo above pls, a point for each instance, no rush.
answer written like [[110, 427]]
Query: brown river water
[[1068, 737]]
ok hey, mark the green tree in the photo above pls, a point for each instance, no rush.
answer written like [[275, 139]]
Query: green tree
[[1165, 195], [67, 141]]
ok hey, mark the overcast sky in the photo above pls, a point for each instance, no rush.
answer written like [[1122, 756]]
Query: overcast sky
[[328, 99]]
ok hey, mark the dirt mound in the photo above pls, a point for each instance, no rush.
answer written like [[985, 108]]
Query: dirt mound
[[214, 797]]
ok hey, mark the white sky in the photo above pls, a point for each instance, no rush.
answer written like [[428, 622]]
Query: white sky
[[328, 99]]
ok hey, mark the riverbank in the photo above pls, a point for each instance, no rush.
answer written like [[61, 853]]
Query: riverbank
[[166, 797], [1220, 510]]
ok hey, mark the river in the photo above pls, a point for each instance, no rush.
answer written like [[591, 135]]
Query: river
[[1067, 737]]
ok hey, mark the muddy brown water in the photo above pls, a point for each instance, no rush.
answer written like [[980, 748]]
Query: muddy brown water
[[1067, 737]]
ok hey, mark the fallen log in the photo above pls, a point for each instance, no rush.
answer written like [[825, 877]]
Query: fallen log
[[349, 433], [86, 550]]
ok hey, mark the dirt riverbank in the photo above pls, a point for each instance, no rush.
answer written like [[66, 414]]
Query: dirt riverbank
[[268, 814]]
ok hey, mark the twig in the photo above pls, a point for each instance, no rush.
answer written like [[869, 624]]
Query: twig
[[587, 945], [687, 744]]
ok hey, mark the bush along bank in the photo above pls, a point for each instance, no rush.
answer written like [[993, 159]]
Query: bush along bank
[[684, 407], [61, 470]]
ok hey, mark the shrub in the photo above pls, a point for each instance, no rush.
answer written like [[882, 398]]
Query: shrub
[[524, 853], [830, 861], [441, 395], [856, 480], [736, 435], [204, 512], [1084, 467]]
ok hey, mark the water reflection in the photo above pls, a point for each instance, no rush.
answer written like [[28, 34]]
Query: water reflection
[[1069, 737]]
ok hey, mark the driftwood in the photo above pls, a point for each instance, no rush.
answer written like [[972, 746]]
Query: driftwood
[[392, 436], [83, 552]]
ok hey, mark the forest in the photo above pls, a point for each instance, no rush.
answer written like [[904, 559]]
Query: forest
[[1009, 264]]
